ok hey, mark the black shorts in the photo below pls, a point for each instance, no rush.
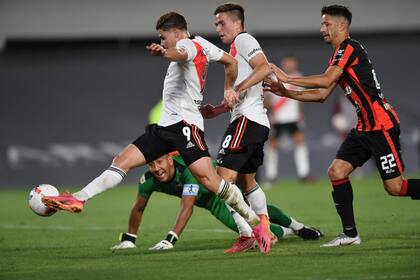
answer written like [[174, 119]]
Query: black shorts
[[185, 138], [279, 128], [383, 145], [242, 146]]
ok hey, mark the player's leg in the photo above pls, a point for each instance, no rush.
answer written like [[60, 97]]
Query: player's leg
[[253, 193], [146, 147], [387, 153], [271, 155], [239, 144], [189, 141], [279, 217], [129, 158], [203, 170], [301, 154], [350, 155]]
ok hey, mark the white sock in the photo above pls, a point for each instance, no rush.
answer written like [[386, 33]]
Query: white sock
[[287, 231], [107, 180], [243, 227], [271, 159], [257, 200], [295, 225], [232, 196], [302, 160]]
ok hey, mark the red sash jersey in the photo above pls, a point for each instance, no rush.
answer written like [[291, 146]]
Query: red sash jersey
[[362, 88]]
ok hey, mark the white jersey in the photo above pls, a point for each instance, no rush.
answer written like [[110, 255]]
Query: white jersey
[[251, 104], [184, 82], [285, 110]]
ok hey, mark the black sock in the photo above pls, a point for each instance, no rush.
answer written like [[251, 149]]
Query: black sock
[[413, 188], [343, 198]]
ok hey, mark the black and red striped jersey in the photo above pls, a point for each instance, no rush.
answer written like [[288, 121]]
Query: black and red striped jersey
[[362, 88]]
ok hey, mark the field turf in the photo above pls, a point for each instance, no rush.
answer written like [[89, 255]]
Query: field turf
[[70, 246]]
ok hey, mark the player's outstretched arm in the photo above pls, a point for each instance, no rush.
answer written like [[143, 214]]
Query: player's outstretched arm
[[325, 80], [231, 97], [261, 69], [172, 54], [209, 111], [128, 239], [184, 215], [310, 95]]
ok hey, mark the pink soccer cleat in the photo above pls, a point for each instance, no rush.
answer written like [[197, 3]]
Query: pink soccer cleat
[[263, 234], [65, 202], [242, 244]]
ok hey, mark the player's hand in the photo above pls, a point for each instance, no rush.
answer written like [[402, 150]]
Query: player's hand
[[280, 74], [275, 87], [231, 97], [156, 49], [124, 245], [162, 245], [208, 111]]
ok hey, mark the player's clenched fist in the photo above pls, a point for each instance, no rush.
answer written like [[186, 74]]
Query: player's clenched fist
[[156, 49]]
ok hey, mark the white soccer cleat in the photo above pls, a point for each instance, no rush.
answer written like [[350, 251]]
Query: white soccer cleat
[[342, 240]]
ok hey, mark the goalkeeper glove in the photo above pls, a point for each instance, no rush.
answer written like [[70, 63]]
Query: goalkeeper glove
[[167, 243], [128, 241]]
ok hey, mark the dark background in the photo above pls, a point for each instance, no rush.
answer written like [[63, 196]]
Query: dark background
[[68, 106]]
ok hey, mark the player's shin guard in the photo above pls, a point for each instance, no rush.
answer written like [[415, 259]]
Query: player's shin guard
[[232, 196], [343, 199], [107, 180], [258, 201], [411, 187]]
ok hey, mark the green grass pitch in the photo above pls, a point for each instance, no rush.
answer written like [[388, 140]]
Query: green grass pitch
[[70, 246]]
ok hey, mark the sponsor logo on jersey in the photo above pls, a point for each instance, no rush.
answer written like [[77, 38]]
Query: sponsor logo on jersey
[[190, 189], [254, 51]]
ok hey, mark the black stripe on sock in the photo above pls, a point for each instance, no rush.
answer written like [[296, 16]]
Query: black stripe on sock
[[122, 173], [253, 190]]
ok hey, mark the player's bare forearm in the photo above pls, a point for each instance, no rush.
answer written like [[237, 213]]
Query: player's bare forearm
[[325, 80], [231, 70], [231, 73], [172, 54], [136, 215], [261, 69], [310, 95], [183, 217]]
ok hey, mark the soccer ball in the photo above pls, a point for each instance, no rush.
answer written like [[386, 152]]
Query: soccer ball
[[35, 201]]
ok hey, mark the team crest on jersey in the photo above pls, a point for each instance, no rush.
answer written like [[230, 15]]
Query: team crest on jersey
[[142, 179], [190, 189]]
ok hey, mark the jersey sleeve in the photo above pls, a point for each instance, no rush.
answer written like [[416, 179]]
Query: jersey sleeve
[[212, 52], [343, 56], [146, 185], [188, 46], [190, 185], [247, 46]]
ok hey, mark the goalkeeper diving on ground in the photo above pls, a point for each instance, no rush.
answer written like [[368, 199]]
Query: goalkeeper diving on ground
[[169, 174]]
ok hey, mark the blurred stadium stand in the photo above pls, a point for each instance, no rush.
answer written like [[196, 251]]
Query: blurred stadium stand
[[76, 83]]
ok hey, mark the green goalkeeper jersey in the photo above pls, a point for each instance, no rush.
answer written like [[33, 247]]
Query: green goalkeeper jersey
[[182, 184]]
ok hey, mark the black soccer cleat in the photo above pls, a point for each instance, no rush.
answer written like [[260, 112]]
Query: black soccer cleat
[[309, 233]]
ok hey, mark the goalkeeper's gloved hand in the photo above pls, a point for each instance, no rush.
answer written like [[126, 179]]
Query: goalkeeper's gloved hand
[[167, 243], [128, 241]]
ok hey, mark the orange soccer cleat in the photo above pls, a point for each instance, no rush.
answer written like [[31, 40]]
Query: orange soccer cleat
[[263, 234], [242, 244], [65, 202]]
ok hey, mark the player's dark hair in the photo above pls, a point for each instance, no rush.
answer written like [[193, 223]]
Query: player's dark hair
[[337, 10], [171, 20], [234, 9]]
